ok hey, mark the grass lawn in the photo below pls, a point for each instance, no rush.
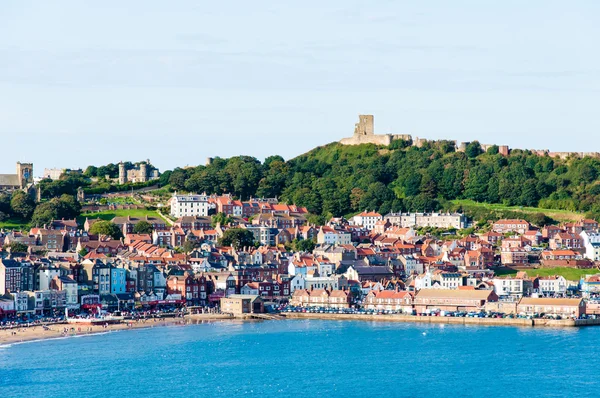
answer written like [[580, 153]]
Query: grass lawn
[[560, 215], [572, 274], [14, 223], [110, 214]]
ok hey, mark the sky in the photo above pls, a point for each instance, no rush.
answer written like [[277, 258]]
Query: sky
[[95, 82]]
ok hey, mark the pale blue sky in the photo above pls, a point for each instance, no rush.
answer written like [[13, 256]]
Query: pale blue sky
[[93, 82]]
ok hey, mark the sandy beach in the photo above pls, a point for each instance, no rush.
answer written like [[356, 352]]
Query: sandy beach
[[38, 332]]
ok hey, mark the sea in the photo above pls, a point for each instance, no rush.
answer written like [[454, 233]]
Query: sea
[[308, 358]]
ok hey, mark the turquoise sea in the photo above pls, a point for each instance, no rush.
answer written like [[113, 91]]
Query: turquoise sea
[[304, 358]]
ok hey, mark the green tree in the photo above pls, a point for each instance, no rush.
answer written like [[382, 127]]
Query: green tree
[[237, 238], [22, 205], [65, 206], [473, 149], [18, 247], [106, 228], [304, 245], [221, 219], [493, 150], [143, 227]]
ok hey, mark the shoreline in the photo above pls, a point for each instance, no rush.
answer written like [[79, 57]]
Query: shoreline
[[519, 322], [56, 331]]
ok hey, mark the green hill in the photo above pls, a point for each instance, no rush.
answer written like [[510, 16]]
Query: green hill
[[338, 180]]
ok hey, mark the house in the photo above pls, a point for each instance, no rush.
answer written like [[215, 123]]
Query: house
[[566, 240], [448, 280], [590, 285], [512, 225], [412, 264], [238, 304], [514, 256], [15, 276], [560, 255], [492, 237], [591, 243], [389, 300], [321, 298], [190, 205], [555, 285], [453, 299], [375, 273], [127, 224], [69, 286], [513, 287], [331, 236], [367, 219], [564, 307]]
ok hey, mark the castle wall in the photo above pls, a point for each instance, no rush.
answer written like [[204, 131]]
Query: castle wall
[[367, 139]]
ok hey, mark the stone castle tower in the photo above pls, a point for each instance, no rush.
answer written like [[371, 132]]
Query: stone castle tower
[[24, 174], [143, 172], [122, 173], [365, 125], [364, 133]]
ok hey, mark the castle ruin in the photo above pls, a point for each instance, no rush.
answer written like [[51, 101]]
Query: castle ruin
[[364, 133]]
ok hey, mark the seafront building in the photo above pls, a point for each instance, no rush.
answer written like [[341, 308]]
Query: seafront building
[[371, 261]]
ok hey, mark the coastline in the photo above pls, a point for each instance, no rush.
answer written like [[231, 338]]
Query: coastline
[[56, 331], [538, 322]]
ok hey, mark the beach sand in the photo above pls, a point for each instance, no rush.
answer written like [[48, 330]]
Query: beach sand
[[38, 332]]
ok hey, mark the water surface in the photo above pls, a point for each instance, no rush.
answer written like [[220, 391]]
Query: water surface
[[307, 358]]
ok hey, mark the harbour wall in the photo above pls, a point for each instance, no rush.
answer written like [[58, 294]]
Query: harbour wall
[[450, 320]]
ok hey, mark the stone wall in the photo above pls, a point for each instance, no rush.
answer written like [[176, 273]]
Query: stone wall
[[367, 139]]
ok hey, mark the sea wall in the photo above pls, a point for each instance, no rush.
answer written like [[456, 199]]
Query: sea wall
[[419, 319], [450, 320]]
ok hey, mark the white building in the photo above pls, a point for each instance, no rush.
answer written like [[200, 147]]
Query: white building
[[190, 205], [331, 236], [591, 242], [450, 280], [21, 301], [367, 219], [435, 220], [552, 285], [423, 281], [512, 287]]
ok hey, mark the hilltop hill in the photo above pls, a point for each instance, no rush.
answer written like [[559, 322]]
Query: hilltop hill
[[339, 180]]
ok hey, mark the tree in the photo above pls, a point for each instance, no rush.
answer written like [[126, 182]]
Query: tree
[[237, 238], [22, 205], [220, 218], [493, 150], [143, 227], [18, 247], [189, 246], [106, 228], [473, 149], [303, 245], [65, 206]]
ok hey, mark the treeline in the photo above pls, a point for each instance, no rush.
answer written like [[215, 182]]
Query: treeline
[[20, 206], [340, 180]]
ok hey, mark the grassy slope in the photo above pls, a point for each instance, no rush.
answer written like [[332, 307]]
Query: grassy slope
[[14, 223], [110, 214], [572, 274], [560, 215]]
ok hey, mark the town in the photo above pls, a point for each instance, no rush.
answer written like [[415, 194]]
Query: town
[[208, 252]]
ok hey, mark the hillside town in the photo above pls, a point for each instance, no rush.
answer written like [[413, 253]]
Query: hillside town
[[371, 262]]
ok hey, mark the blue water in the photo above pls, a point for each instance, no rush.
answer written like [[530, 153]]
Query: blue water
[[307, 358]]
